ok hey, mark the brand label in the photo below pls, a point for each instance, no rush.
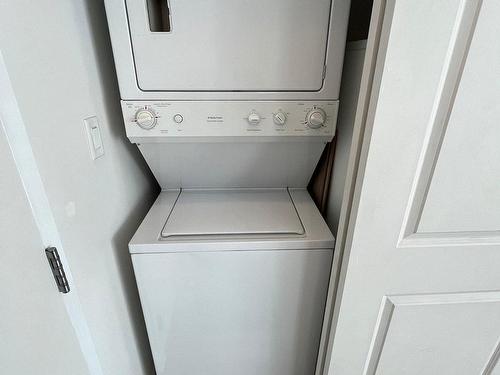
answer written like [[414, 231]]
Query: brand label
[[215, 118]]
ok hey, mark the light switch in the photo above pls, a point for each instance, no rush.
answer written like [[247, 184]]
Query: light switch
[[94, 137]]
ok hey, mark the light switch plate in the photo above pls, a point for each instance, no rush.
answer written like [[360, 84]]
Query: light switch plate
[[96, 145]]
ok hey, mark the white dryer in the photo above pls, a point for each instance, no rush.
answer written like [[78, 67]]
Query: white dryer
[[233, 281], [228, 49]]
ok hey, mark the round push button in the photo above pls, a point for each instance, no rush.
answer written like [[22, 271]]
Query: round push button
[[178, 118]]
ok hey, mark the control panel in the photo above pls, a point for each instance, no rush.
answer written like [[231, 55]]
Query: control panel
[[144, 119]]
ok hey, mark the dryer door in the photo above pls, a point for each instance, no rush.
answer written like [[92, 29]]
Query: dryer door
[[229, 45]]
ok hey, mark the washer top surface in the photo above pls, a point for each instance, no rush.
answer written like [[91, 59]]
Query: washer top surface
[[232, 212], [283, 219]]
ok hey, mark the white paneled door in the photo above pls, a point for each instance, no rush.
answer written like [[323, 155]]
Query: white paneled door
[[422, 283], [36, 336]]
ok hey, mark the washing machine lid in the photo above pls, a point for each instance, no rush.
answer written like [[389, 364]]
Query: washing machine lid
[[233, 212]]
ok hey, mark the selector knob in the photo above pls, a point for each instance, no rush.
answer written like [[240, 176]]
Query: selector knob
[[316, 118], [253, 118], [145, 118], [279, 118]]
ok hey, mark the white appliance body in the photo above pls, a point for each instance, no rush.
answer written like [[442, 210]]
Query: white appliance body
[[229, 49], [216, 146], [228, 313], [231, 95], [233, 281], [249, 74]]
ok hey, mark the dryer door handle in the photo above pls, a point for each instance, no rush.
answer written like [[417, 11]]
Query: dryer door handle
[[159, 15]]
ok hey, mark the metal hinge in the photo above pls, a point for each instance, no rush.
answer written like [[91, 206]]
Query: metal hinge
[[57, 269]]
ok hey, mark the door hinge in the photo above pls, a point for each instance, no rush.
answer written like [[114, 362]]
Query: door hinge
[[57, 269]]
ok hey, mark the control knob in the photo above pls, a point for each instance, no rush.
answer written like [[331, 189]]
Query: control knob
[[145, 118], [253, 118], [279, 118], [316, 118]]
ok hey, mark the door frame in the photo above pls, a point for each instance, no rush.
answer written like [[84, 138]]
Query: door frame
[[376, 48]]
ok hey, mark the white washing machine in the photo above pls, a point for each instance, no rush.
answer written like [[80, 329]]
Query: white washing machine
[[233, 281], [231, 103]]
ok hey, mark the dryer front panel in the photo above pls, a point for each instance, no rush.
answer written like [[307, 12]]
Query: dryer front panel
[[229, 45]]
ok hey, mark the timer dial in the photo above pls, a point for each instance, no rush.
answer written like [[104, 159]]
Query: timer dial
[[145, 118], [316, 118]]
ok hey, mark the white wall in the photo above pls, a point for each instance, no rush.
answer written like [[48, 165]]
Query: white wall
[[58, 58], [349, 90], [23, 293]]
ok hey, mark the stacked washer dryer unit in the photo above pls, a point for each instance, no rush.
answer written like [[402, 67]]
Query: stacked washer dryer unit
[[231, 103]]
